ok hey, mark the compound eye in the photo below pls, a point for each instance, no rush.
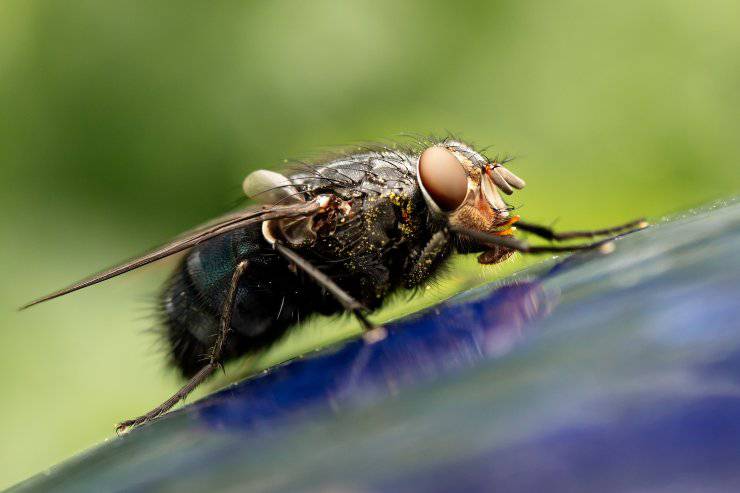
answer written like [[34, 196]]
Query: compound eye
[[443, 178]]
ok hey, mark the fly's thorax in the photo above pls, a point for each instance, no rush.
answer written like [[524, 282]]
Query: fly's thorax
[[358, 175], [364, 187]]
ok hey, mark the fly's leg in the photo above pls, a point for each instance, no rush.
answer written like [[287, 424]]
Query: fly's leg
[[227, 311], [214, 358], [549, 234], [200, 377], [373, 333], [429, 258], [522, 246]]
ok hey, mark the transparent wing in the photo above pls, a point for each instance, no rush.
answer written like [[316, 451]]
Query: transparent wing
[[191, 238]]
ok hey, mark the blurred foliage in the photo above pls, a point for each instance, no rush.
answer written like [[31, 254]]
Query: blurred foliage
[[123, 123]]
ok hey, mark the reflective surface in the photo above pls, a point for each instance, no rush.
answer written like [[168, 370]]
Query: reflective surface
[[590, 373]]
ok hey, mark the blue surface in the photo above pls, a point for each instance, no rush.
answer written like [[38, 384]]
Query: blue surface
[[616, 372]]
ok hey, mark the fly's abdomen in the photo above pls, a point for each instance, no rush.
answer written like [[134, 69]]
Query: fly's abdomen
[[188, 325], [267, 301]]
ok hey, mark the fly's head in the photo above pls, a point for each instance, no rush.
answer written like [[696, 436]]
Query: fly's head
[[465, 187]]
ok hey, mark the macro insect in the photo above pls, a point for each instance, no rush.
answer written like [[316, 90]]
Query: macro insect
[[335, 236]]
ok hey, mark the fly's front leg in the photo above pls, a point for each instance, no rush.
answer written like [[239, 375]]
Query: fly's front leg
[[214, 357], [549, 234], [510, 243], [373, 333]]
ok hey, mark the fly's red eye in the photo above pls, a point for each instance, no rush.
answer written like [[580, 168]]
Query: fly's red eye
[[443, 177]]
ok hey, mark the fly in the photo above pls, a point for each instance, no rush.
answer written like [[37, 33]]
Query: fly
[[335, 236]]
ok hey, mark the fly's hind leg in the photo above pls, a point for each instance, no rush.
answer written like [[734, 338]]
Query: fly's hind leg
[[372, 332], [192, 384], [214, 358]]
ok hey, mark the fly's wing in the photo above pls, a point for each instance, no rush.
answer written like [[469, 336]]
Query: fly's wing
[[187, 240]]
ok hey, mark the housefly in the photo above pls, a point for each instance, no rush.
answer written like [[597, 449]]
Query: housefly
[[338, 235]]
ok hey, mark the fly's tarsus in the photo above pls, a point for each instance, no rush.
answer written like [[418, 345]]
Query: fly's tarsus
[[126, 426]]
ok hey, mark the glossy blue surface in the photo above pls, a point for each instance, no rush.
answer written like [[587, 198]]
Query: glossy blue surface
[[616, 372]]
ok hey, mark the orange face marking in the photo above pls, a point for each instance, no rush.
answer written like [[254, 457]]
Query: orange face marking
[[509, 231], [512, 220]]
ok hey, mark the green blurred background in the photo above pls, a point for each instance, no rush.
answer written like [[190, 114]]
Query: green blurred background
[[123, 123]]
